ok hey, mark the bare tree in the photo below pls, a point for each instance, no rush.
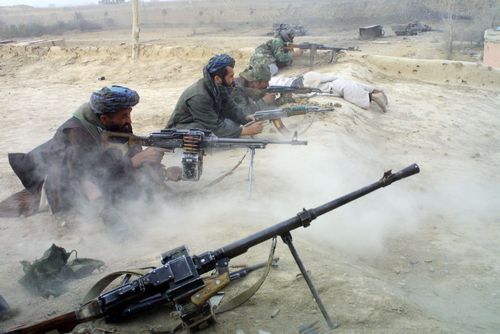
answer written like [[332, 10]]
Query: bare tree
[[135, 29], [163, 14]]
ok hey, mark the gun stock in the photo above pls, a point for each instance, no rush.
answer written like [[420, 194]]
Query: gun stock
[[64, 323], [111, 136]]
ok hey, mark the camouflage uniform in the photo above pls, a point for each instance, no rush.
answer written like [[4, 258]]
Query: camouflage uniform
[[272, 52], [250, 99]]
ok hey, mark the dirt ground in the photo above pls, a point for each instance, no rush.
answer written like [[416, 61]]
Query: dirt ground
[[420, 256]]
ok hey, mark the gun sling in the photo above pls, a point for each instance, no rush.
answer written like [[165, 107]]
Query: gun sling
[[238, 300]]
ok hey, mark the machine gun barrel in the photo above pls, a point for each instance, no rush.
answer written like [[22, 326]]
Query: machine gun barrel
[[305, 217], [250, 143]]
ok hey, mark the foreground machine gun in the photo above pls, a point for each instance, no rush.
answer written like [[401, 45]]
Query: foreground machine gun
[[178, 280], [313, 48], [275, 115], [194, 143]]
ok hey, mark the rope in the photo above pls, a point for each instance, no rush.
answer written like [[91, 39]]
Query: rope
[[229, 172], [247, 294]]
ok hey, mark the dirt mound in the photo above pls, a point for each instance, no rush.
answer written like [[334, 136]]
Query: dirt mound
[[157, 64], [148, 52], [457, 73], [436, 71]]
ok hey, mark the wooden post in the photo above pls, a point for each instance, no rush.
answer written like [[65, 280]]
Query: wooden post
[[450, 8], [135, 29]]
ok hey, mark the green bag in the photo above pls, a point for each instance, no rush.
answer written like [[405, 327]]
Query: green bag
[[48, 275]]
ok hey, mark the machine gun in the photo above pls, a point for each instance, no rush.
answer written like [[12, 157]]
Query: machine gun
[[179, 282], [194, 143], [275, 115], [313, 48]]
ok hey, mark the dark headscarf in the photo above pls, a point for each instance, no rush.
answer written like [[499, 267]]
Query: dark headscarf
[[113, 98], [287, 35], [219, 62]]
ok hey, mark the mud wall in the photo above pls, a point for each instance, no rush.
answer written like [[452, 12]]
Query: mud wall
[[256, 13]]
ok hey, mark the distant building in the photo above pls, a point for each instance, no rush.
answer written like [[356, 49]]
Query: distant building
[[491, 48]]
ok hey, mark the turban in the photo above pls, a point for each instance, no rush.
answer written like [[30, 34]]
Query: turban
[[113, 98], [287, 35], [218, 62]]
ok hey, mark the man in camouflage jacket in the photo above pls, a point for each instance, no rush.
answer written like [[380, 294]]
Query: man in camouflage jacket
[[274, 53], [249, 91]]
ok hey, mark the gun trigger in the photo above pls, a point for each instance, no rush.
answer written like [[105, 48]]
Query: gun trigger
[[212, 286]]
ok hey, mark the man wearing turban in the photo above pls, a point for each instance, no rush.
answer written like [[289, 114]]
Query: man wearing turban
[[75, 168], [207, 104]]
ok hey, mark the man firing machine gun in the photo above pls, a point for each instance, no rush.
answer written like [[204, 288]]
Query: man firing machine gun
[[179, 280], [195, 143]]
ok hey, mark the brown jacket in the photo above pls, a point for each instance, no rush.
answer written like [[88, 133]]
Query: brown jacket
[[74, 154]]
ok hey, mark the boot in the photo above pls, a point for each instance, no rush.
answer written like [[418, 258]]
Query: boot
[[380, 99], [376, 107]]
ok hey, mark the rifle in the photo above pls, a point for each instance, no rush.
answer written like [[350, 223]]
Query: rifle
[[275, 115], [285, 92], [178, 280], [291, 90], [313, 47], [194, 143]]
